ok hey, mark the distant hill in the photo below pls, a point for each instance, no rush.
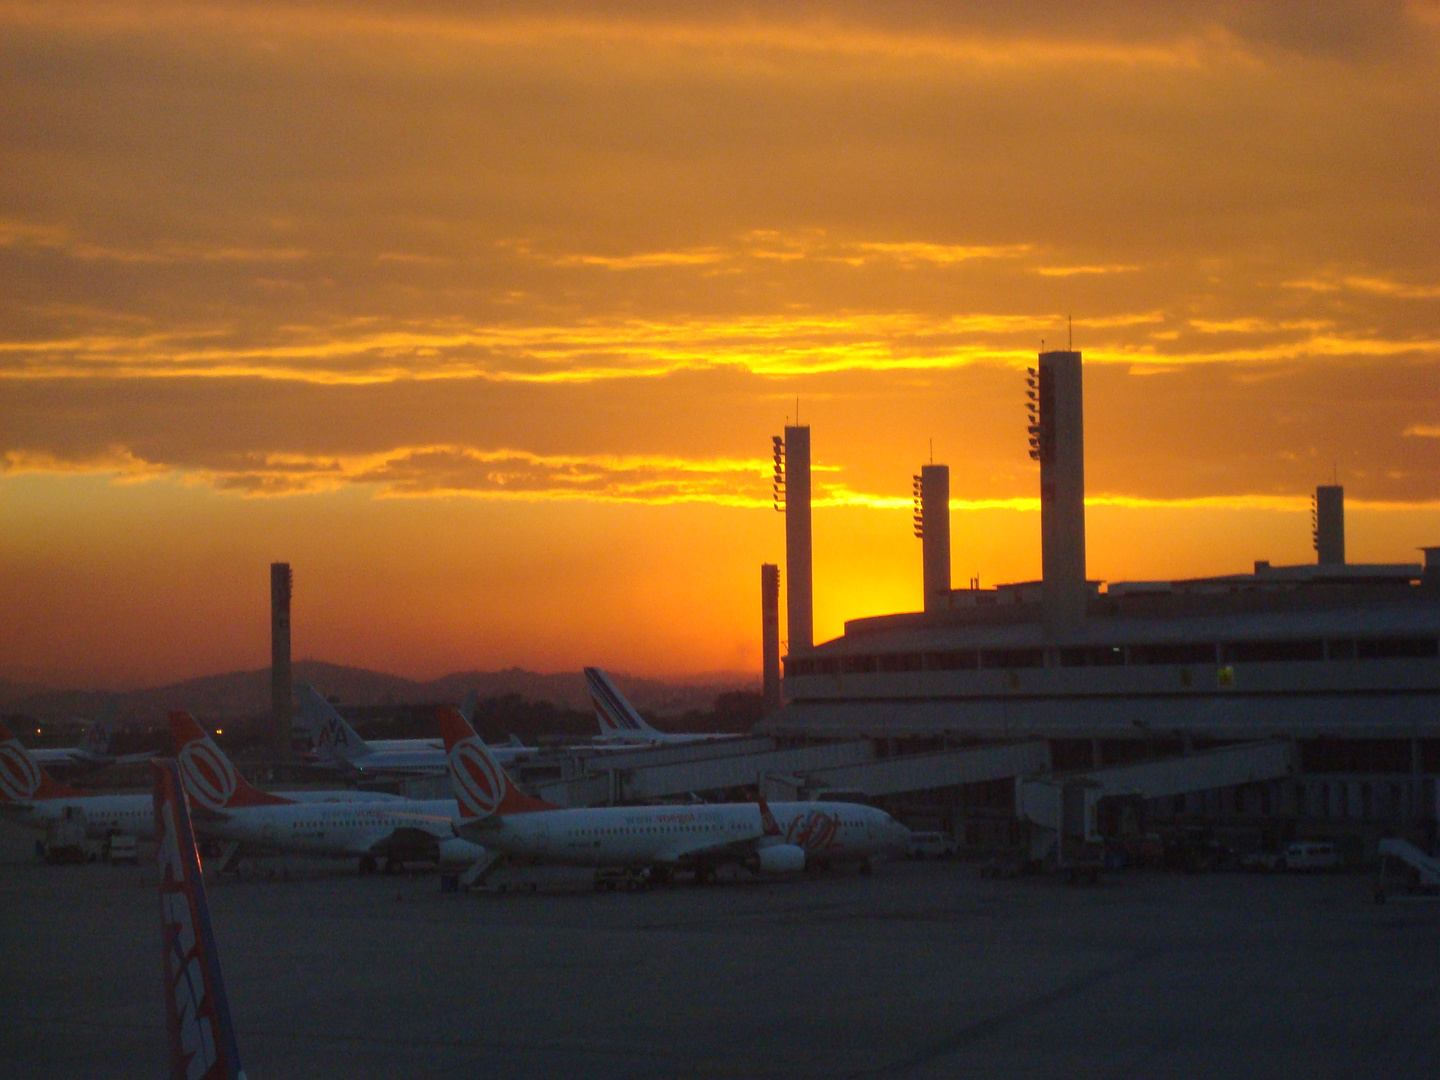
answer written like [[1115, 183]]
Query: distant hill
[[247, 693]]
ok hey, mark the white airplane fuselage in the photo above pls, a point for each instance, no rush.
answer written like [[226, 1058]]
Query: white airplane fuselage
[[134, 815], [70, 757], [344, 829], [667, 835], [104, 815]]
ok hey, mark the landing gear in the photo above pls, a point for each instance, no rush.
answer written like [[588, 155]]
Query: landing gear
[[867, 868], [367, 864]]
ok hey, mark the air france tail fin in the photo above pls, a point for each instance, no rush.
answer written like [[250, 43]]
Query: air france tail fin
[[481, 786], [334, 739], [616, 715], [211, 779], [97, 739], [202, 1039], [101, 731], [22, 778]]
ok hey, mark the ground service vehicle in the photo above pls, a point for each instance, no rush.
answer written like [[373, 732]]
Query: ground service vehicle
[[931, 845], [1309, 856]]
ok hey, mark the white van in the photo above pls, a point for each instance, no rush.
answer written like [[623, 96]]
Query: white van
[[124, 849], [1309, 855], [931, 845]]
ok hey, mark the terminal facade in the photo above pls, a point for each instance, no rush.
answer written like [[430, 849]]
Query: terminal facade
[[1339, 663]]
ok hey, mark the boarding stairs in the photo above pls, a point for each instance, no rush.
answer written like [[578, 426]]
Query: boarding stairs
[[1425, 867], [478, 871]]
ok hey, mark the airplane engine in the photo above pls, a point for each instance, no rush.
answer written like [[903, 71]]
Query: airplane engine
[[781, 859], [457, 852]]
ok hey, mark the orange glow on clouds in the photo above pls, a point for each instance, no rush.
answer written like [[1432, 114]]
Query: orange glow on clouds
[[484, 320]]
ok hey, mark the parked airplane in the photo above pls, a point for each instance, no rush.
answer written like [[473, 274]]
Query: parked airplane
[[387, 827], [621, 723], [339, 746], [32, 798], [90, 753], [655, 840], [202, 1038]]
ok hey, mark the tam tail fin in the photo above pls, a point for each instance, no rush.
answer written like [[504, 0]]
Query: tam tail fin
[[211, 778], [616, 715], [23, 779], [202, 1038], [335, 740], [481, 785]]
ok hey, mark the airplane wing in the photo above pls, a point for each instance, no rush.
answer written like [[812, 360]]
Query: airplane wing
[[731, 846], [134, 759]]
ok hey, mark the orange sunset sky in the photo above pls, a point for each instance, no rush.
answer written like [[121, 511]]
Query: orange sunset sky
[[482, 315]]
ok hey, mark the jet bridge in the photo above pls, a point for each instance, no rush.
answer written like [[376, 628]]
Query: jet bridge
[[663, 773], [799, 772], [924, 772], [1065, 805]]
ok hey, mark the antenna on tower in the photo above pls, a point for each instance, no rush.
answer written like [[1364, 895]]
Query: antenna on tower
[[932, 451], [1070, 330], [797, 412]]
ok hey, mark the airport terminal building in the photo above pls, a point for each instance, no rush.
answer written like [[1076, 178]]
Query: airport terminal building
[[1301, 700]]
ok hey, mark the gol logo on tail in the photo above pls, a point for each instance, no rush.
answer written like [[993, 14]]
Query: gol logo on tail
[[209, 778], [478, 783], [19, 775]]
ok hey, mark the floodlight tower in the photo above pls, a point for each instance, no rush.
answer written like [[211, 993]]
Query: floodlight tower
[[1327, 518], [281, 583], [770, 635], [932, 527], [792, 496], [1057, 441]]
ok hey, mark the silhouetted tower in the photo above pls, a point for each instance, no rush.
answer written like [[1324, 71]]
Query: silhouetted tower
[[933, 528], [280, 691], [792, 494], [1057, 441], [770, 634], [1329, 524]]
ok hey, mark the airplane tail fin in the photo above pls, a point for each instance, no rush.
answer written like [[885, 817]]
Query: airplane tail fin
[[101, 731], [616, 715], [22, 778], [202, 1039], [97, 738], [211, 779], [467, 707], [481, 785], [334, 739], [767, 819]]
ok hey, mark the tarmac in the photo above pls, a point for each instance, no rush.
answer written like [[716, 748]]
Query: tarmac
[[924, 970]]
